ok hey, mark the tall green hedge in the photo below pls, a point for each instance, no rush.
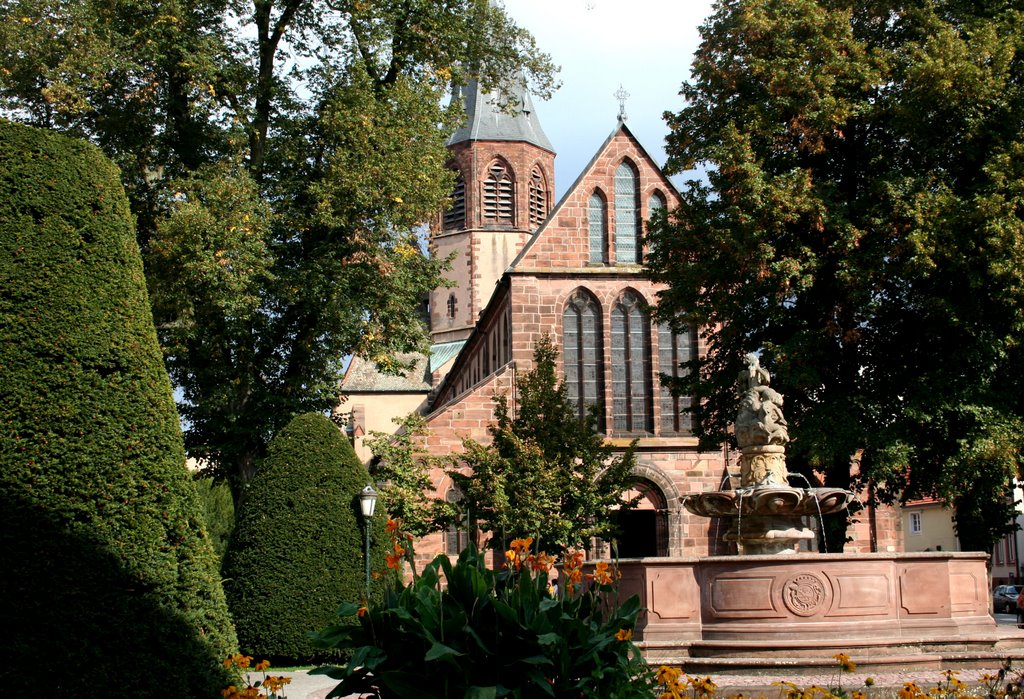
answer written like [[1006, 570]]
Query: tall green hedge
[[296, 553], [109, 586]]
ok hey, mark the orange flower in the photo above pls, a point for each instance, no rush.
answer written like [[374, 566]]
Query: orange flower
[[391, 560], [262, 665], [522, 545], [541, 562], [624, 634], [361, 612], [399, 551], [392, 526], [602, 575]]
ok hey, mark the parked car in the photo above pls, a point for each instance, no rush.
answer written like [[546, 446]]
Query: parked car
[[1004, 599]]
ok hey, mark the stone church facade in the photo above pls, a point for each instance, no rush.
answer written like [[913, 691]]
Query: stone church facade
[[525, 267]]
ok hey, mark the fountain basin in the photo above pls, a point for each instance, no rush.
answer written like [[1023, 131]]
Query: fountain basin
[[768, 613], [764, 500]]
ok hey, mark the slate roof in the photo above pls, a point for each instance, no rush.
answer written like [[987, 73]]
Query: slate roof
[[486, 120], [363, 375]]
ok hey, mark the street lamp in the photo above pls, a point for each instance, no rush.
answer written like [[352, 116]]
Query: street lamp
[[367, 504]]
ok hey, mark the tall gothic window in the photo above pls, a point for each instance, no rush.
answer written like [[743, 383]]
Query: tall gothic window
[[597, 213], [582, 354], [453, 305], [655, 203], [627, 244], [631, 366], [674, 349], [498, 195], [456, 536], [455, 216], [538, 199]]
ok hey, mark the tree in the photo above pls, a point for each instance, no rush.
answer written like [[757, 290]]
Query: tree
[[401, 468], [860, 228], [107, 565], [547, 473], [218, 511], [297, 551], [279, 157]]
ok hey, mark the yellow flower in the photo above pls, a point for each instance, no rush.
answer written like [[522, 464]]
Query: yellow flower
[[602, 575], [668, 675], [262, 665], [624, 634]]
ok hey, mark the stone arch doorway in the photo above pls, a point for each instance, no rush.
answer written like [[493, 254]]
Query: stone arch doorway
[[644, 530]]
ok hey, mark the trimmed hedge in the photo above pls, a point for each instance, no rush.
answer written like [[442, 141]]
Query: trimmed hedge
[[296, 553], [110, 585]]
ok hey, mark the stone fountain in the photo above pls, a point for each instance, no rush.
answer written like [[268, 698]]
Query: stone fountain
[[761, 612], [768, 515]]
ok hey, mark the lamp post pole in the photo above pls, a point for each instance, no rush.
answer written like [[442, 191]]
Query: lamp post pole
[[367, 504]]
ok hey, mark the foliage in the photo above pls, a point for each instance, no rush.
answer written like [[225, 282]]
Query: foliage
[[401, 466], [278, 156], [107, 565], [547, 473], [298, 544], [464, 630], [860, 227], [218, 511]]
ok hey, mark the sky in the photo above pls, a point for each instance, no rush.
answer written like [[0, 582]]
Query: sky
[[644, 46]]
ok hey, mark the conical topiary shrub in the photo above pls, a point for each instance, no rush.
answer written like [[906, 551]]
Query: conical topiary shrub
[[109, 585], [296, 553]]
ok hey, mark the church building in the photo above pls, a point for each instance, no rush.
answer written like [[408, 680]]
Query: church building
[[525, 266]]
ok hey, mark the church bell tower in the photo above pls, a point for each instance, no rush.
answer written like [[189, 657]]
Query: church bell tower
[[504, 166]]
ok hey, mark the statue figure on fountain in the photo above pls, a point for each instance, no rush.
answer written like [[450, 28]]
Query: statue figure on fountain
[[760, 419]]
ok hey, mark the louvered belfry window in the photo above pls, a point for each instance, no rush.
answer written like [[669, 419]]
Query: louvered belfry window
[[597, 214], [674, 349], [627, 247], [538, 199], [499, 203], [631, 366], [582, 354], [455, 216]]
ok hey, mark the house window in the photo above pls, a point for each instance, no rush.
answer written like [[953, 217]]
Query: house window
[[455, 216], [456, 536], [627, 247], [498, 195], [582, 354], [597, 213], [631, 366], [915, 523], [673, 350], [453, 306], [538, 199]]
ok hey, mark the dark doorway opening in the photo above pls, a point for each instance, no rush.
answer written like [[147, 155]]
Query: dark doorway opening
[[644, 530]]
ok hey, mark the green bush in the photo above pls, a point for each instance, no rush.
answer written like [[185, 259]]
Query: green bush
[[218, 512], [297, 549], [110, 585], [483, 634]]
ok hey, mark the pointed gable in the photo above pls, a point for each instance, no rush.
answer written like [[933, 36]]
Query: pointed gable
[[575, 225]]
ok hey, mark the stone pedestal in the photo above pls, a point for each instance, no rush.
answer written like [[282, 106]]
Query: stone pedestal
[[763, 465]]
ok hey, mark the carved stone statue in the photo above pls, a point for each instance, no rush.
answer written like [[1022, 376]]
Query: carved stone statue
[[760, 419]]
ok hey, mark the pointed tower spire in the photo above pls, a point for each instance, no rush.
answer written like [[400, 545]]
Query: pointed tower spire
[[502, 115]]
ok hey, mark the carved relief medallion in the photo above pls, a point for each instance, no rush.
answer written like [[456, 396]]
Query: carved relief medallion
[[804, 594]]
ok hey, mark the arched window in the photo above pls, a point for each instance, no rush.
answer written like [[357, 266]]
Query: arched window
[[538, 199], [627, 246], [631, 366], [456, 536], [655, 203], [597, 212], [453, 305], [582, 354], [455, 216], [498, 195], [674, 349]]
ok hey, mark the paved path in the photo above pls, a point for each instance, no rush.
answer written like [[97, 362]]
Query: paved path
[[306, 686]]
